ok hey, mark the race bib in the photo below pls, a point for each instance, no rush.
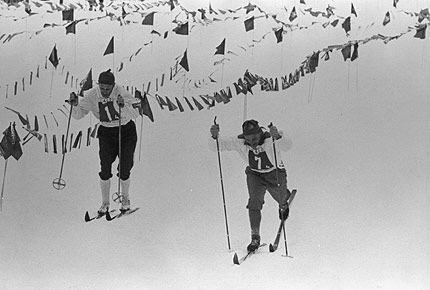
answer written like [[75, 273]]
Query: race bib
[[107, 112], [259, 160]]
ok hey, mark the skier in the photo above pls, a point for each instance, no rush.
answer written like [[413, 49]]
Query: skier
[[104, 101], [255, 146]]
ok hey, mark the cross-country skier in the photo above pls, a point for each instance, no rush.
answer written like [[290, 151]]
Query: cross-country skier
[[104, 101], [255, 146]]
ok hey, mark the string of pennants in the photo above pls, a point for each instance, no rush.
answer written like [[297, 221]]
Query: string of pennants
[[140, 8], [243, 85]]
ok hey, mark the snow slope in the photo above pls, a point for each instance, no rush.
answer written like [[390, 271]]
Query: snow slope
[[360, 161]]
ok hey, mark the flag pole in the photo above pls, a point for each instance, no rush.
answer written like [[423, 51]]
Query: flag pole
[[2, 187]]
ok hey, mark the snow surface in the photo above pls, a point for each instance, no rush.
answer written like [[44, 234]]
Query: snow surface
[[360, 161]]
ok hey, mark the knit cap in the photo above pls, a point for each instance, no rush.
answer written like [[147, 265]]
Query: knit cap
[[107, 78]]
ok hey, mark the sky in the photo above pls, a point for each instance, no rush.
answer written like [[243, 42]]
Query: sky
[[360, 159]]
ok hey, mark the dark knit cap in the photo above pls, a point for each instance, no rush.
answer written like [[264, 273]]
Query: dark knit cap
[[250, 127], [107, 78]]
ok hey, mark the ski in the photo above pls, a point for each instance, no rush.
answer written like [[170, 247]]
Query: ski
[[109, 217], [89, 218], [238, 261], [273, 247]]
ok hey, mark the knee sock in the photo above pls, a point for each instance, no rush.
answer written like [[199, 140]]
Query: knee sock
[[105, 190], [125, 186], [255, 220]]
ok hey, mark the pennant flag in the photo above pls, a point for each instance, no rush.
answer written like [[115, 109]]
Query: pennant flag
[[145, 108], [86, 83], [149, 19], [334, 23], [220, 49], [355, 52], [181, 108], [347, 25], [171, 106], [71, 28], [293, 14], [9, 145], [53, 57], [189, 104], [181, 29], [395, 3], [68, 15], [346, 52], [386, 18], [172, 5], [302, 2], [278, 35], [198, 105], [353, 10], [421, 31], [313, 62], [184, 61], [249, 24], [110, 47]]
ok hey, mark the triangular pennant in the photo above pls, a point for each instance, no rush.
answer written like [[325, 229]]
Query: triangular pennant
[[278, 35], [198, 105], [347, 25], [181, 108], [220, 49], [353, 10], [189, 104], [421, 31], [184, 61], [110, 47], [171, 106], [249, 24], [71, 28], [293, 14], [53, 57], [354, 55], [387, 18], [86, 83], [149, 19], [68, 15], [181, 29], [346, 52]]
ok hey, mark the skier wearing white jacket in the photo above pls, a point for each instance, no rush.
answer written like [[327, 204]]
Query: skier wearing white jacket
[[104, 101], [255, 146]]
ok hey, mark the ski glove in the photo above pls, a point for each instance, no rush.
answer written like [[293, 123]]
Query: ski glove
[[284, 213], [274, 132], [73, 99], [120, 101], [214, 131]]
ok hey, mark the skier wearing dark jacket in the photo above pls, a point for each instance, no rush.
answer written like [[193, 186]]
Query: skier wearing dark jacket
[[255, 146], [104, 101]]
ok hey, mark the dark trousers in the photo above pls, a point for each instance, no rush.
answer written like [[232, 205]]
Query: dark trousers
[[109, 149], [259, 183]]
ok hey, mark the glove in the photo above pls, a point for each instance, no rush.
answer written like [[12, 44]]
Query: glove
[[120, 101], [214, 131], [73, 99], [274, 132], [284, 212]]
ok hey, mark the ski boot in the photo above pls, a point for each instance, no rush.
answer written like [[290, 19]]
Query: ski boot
[[255, 243], [125, 204], [103, 209]]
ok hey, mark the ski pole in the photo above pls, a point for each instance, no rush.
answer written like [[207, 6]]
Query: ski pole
[[277, 180], [59, 183], [222, 189], [118, 195], [2, 187]]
